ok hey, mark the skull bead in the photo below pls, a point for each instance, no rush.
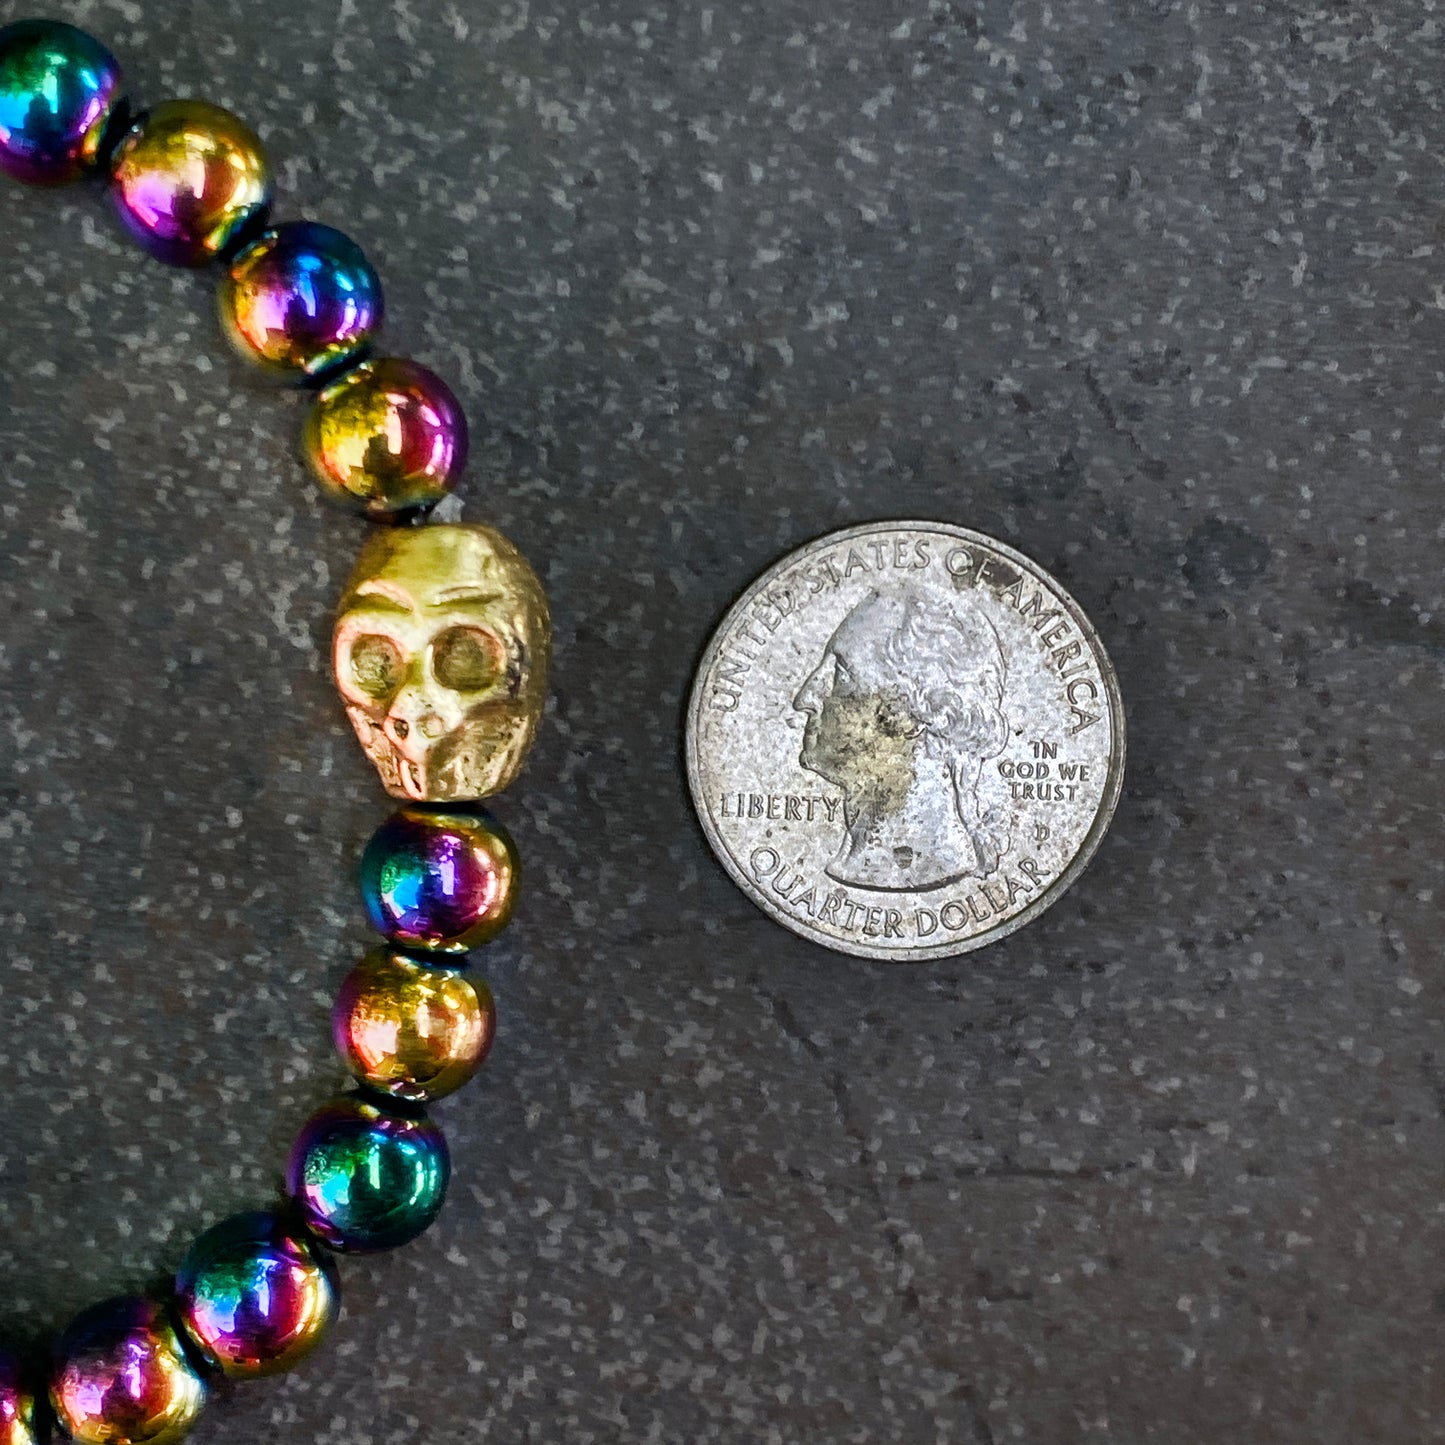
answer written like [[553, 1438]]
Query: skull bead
[[440, 652]]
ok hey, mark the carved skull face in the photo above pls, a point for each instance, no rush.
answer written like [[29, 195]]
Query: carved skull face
[[440, 652]]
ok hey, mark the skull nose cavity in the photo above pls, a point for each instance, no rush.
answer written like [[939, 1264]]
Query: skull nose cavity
[[430, 725]]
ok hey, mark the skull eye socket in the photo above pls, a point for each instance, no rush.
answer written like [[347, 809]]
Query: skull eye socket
[[466, 659], [376, 666]]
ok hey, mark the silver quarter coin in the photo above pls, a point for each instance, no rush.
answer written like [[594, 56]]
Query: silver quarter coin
[[905, 741]]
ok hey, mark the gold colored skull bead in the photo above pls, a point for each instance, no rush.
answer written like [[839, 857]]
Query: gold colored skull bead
[[440, 651]]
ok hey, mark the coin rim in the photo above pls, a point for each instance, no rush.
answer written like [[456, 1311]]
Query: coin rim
[[1113, 783]]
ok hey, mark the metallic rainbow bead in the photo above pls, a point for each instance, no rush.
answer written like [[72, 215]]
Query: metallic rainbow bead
[[439, 880], [387, 439], [58, 88], [300, 301], [409, 1030], [188, 178], [255, 1296], [121, 1376], [17, 1402], [367, 1178]]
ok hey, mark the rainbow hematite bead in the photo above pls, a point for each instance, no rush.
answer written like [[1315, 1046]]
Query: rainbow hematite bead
[[58, 89], [301, 301], [188, 179], [440, 880], [255, 1296], [388, 439], [18, 1424], [411, 1030], [122, 1377], [367, 1178]]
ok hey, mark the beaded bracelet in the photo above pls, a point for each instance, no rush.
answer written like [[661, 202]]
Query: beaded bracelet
[[440, 652]]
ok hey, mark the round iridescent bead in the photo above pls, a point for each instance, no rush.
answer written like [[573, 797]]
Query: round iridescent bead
[[58, 89], [18, 1424], [255, 1295], [121, 1376], [188, 179], [439, 880], [388, 439], [410, 1030], [301, 301], [367, 1178]]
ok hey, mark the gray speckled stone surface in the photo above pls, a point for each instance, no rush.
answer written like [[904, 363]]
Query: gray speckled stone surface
[[1152, 291]]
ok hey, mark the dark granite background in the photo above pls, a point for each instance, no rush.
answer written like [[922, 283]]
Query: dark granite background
[[1152, 291]]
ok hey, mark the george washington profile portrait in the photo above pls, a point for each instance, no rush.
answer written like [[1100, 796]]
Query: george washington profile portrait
[[901, 713]]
